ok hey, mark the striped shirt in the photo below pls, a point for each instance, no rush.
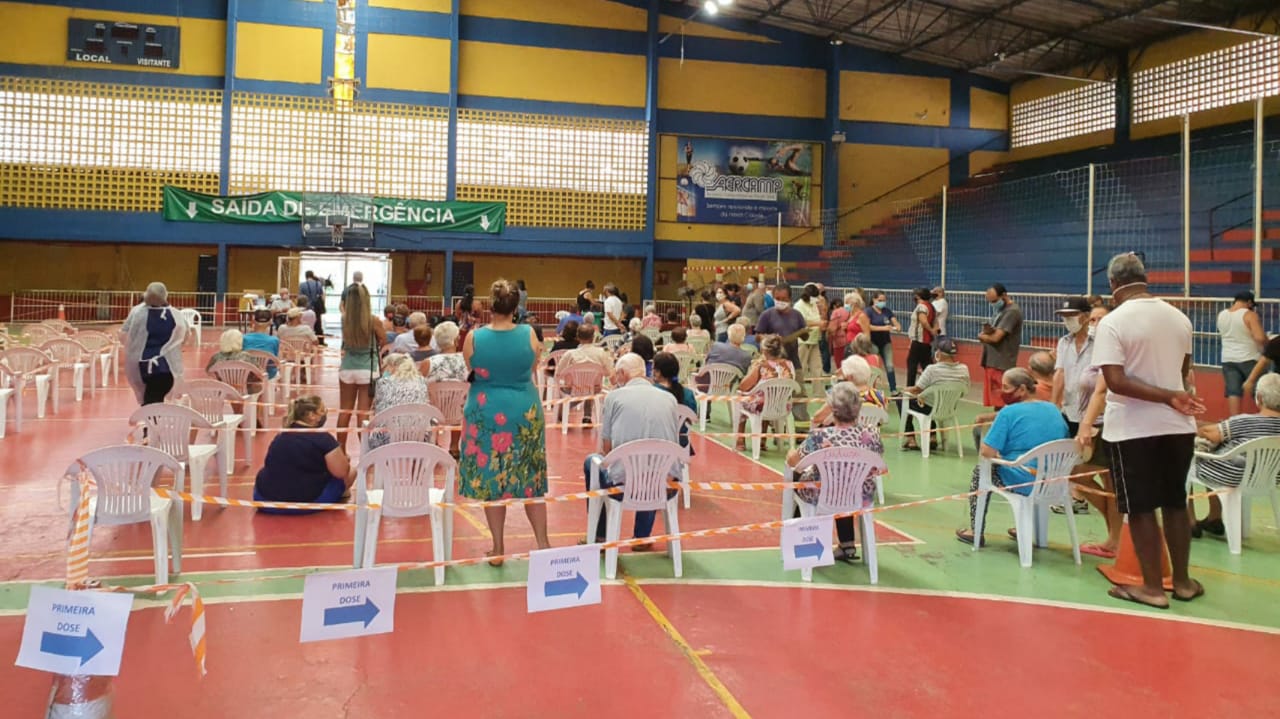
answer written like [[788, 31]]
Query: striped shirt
[[1235, 431], [940, 372]]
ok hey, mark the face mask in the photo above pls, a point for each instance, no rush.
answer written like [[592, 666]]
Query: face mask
[[781, 306], [1009, 397], [720, 296], [322, 419], [1092, 329], [998, 304], [1073, 324], [848, 308], [881, 304]]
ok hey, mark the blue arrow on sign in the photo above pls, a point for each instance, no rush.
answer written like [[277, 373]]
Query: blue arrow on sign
[[354, 613], [71, 645], [576, 585], [809, 549]]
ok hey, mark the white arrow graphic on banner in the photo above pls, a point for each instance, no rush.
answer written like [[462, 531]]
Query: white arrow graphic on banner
[[191, 210], [484, 222]]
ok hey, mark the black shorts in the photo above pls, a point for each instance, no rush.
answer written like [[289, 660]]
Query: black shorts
[[1150, 473], [1101, 456]]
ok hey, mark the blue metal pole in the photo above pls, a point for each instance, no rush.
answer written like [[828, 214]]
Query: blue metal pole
[[651, 116], [451, 164], [228, 87]]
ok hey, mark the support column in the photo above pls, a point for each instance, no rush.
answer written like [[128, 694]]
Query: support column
[[220, 297], [831, 163], [448, 280], [228, 87], [651, 118], [451, 161], [959, 117], [1124, 98]]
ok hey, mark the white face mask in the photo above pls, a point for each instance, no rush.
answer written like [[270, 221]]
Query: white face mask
[[1073, 324], [782, 306], [1092, 329]]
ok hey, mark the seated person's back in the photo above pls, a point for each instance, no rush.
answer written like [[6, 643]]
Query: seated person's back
[[731, 352], [1022, 425], [587, 353], [261, 340], [294, 328], [304, 466]]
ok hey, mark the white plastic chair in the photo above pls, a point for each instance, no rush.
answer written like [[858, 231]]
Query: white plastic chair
[[777, 407], [169, 428], [720, 381], [450, 397], [582, 380], [842, 471], [195, 323], [404, 423], [751, 350], [214, 401], [403, 475], [263, 361], [124, 475], [700, 345], [29, 364], [239, 375], [872, 417], [689, 362], [646, 466], [1049, 463], [297, 363], [36, 335], [685, 418], [6, 395], [1261, 472], [547, 373], [652, 333], [943, 399], [62, 327], [68, 354], [102, 350], [611, 343]]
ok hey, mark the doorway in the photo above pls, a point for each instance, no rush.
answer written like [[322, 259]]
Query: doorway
[[336, 269]]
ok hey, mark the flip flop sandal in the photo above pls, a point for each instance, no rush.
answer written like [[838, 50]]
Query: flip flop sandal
[[1013, 534], [847, 554], [1121, 592], [1097, 550], [1199, 592], [968, 538]]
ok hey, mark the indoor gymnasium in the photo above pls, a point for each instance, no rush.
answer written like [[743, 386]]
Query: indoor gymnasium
[[650, 358]]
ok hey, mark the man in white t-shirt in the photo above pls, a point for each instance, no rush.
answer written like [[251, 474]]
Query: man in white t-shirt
[[941, 307], [612, 310], [1144, 350]]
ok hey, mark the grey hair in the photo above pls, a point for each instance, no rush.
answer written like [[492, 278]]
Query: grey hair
[[416, 318], [446, 334], [853, 299], [634, 324], [1126, 269], [862, 345], [857, 370], [1268, 392], [1019, 377], [695, 321], [157, 291], [357, 276], [650, 309], [231, 341], [400, 365], [1042, 363], [737, 333], [845, 401], [631, 365]]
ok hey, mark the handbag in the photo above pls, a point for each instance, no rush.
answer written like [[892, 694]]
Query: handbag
[[373, 363]]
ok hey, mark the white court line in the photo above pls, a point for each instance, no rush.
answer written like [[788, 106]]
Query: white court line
[[202, 555]]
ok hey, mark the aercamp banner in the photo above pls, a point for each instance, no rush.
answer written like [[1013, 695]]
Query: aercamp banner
[[743, 182], [278, 206]]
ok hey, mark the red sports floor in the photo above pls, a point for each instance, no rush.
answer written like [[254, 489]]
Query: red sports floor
[[722, 642]]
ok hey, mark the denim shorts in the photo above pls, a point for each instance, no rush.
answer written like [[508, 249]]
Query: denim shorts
[[1233, 376]]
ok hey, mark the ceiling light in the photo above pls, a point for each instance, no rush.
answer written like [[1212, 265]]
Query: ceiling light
[[710, 7]]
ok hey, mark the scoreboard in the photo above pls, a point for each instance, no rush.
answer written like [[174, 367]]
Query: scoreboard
[[122, 43]]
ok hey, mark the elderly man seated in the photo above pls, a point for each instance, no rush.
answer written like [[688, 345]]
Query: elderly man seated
[[406, 342], [260, 339], [586, 352], [295, 328], [1222, 437], [633, 411], [730, 353], [1042, 366], [945, 368], [1022, 425]]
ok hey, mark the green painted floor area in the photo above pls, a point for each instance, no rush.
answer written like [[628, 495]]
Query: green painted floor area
[[1242, 589]]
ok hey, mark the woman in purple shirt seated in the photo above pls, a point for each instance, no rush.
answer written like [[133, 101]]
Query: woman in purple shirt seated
[[304, 466]]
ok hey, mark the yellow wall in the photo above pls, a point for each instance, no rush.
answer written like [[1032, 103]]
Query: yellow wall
[[55, 265], [988, 110], [903, 99], [37, 35], [414, 265], [277, 52], [740, 88], [583, 13], [983, 160], [443, 6], [554, 276], [669, 229], [400, 62], [535, 73], [869, 171]]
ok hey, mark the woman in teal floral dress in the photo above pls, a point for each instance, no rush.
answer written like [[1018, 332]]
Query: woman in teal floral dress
[[504, 449]]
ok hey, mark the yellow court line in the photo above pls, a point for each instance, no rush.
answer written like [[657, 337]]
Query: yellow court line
[[479, 526], [693, 655]]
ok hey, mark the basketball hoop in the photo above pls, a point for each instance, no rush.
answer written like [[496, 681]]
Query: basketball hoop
[[337, 223]]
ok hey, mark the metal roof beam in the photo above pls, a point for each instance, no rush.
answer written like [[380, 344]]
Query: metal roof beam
[[774, 9], [1118, 14], [892, 4]]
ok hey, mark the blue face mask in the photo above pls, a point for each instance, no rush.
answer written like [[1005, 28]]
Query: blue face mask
[[998, 304], [881, 304], [848, 308]]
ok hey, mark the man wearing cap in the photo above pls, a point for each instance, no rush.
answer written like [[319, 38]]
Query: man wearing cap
[[945, 368], [1075, 355], [260, 338], [295, 328], [942, 309], [1242, 341]]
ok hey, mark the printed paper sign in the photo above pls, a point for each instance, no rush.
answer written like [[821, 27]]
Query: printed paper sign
[[75, 632], [806, 542], [564, 577], [337, 605]]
